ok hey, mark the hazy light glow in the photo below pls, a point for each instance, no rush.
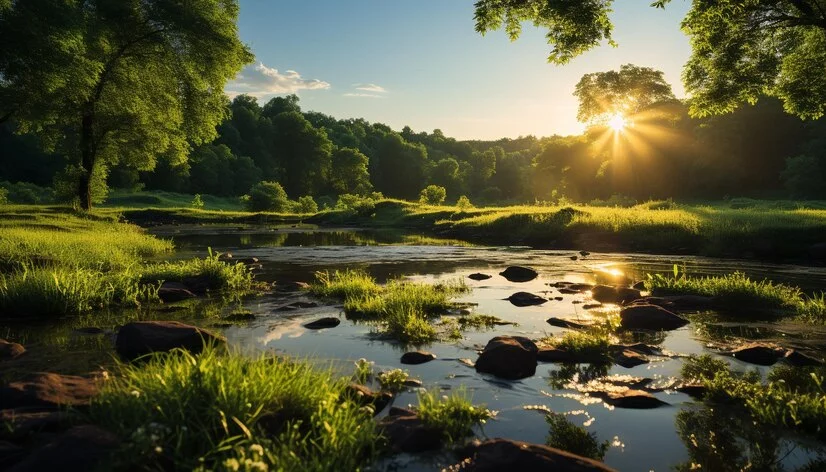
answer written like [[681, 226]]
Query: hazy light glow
[[617, 122]]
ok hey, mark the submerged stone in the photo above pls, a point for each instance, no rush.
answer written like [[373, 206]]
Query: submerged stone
[[479, 276], [48, 390], [408, 433], [171, 292], [650, 317], [759, 354], [522, 299], [495, 455], [143, 337], [609, 294], [417, 357], [508, 357], [519, 274], [323, 323], [633, 399]]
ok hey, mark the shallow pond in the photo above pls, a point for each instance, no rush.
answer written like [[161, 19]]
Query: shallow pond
[[643, 440]]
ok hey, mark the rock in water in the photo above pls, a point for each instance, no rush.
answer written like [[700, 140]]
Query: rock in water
[[9, 350], [650, 317], [417, 357], [495, 455], [142, 337], [171, 292], [479, 276], [519, 274], [408, 433], [609, 294], [508, 357], [526, 299], [323, 323], [756, 353], [633, 399], [48, 390]]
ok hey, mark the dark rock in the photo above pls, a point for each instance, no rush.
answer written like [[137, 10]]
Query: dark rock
[[639, 286], [567, 291], [573, 258], [246, 260], [567, 324], [397, 411], [286, 308], [560, 284], [756, 353], [322, 323], [417, 357], [495, 455], [412, 383], [23, 422], [509, 357], [80, 448], [48, 390], [142, 337], [650, 317], [365, 396], [798, 359], [89, 330], [609, 294], [584, 253], [301, 304], [240, 316], [576, 302], [693, 390], [519, 274], [291, 286], [628, 358], [591, 306], [641, 348], [581, 287], [633, 399], [522, 299], [409, 434], [9, 350], [559, 299], [171, 292], [479, 276], [199, 284]]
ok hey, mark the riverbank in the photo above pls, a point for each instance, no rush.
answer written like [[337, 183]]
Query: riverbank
[[764, 232]]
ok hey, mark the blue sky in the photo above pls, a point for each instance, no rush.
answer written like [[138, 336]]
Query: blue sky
[[420, 63]]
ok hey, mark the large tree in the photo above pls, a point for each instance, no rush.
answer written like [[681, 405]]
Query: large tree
[[628, 91], [741, 49], [108, 82]]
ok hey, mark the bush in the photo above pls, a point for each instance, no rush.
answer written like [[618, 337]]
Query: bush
[[464, 203], [306, 204], [326, 203], [267, 196], [197, 202], [4, 194], [355, 204], [491, 194], [433, 195], [28, 193]]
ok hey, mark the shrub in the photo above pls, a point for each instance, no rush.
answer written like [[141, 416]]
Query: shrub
[[355, 205], [197, 202], [306, 204], [433, 195], [4, 194], [268, 196], [453, 415], [464, 203], [569, 437]]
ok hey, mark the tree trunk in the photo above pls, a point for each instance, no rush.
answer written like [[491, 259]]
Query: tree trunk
[[87, 160]]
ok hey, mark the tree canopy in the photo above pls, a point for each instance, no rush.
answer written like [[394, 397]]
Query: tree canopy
[[741, 49], [118, 82], [626, 92]]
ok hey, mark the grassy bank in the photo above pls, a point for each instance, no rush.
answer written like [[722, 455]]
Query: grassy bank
[[760, 230], [54, 262], [738, 295]]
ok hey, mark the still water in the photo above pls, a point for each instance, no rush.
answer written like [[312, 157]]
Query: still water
[[643, 440]]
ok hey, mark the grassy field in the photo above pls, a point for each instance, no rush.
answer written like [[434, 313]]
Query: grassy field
[[55, 262], [736, 228]]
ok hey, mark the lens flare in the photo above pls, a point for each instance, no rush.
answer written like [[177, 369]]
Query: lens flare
[[617, 122]]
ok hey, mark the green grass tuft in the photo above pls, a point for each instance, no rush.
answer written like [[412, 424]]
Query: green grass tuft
[[211, 411], [454, 415], [565, 435]]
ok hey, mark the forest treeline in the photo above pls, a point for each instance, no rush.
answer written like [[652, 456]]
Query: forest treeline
[[757, 151]]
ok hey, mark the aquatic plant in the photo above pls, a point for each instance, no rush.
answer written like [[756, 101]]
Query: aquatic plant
[[454, 415], [565, 435], [393, 380]]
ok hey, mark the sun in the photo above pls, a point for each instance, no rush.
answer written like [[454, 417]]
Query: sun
[[617, 122]]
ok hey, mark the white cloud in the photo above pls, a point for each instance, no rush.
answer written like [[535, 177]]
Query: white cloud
[[372, 88], [363, 95], [258, 80]]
